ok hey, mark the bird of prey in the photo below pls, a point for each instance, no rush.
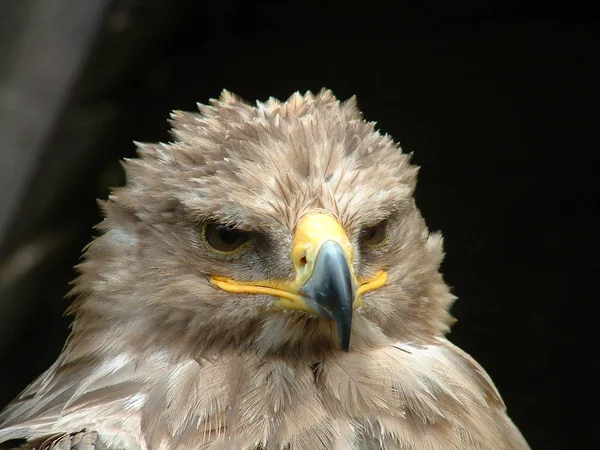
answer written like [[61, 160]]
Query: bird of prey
[[263, 282]]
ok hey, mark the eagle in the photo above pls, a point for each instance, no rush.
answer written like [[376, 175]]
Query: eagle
[[264, 281]]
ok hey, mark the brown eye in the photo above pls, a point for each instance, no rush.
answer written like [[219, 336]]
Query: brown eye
[[376, 235], [222, 238]]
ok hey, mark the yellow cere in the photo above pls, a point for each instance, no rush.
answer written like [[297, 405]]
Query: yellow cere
[[312, 232]]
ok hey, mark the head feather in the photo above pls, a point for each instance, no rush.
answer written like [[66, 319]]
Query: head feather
[[260, 168]]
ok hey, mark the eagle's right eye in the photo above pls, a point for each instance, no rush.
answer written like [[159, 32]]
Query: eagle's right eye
[[223, 238]]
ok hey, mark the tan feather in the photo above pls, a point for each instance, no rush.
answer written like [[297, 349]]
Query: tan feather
[[159, 359]]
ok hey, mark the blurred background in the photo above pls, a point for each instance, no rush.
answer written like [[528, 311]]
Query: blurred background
[[497, 100]]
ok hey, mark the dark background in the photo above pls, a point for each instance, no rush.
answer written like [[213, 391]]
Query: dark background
[[497, 100]]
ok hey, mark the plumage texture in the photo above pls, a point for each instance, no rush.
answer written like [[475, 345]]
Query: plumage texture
[[161, 359]]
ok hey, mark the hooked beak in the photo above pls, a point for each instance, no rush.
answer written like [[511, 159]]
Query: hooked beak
[[331, 289], [325, 283]]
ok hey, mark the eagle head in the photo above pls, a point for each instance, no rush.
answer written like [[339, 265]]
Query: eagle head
[[281, 226]]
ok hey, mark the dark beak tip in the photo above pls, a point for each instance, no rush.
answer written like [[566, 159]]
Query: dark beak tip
[[343, 332], [345, 346]]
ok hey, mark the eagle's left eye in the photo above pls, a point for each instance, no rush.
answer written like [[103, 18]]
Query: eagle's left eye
[[223, 238], [376, 235]]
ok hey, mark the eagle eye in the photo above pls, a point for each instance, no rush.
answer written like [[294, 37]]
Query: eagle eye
[[376, 235], [223, 238]]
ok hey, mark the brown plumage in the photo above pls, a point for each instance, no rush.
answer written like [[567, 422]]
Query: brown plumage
[[163, 357]]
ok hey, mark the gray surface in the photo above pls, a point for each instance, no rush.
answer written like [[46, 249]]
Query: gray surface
[[44, 45], [44, 59], [61, 153]]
